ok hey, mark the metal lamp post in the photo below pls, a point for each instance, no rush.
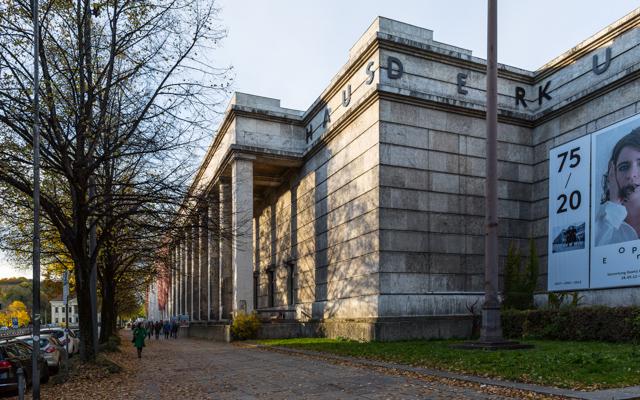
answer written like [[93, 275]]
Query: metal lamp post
[[491, 330], [35, 374]]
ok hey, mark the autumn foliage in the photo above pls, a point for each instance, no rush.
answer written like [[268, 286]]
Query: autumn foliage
[[16, 309]]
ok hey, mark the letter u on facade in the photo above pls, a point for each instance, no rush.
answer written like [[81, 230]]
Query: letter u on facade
[[598, 70]]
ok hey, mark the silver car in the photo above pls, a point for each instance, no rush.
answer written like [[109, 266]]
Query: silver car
[[52, 350], [72, 344]]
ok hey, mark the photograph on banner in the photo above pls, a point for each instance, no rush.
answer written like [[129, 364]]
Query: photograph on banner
[[568, 249], [615, 211], [568, 238]]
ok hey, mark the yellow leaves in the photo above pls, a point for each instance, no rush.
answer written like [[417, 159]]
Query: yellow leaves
[[16, 309]]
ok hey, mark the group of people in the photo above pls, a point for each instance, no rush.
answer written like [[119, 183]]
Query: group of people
[[144, 330], [167, 328]]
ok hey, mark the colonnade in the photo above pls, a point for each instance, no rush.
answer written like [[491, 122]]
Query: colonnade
[[211, 259]]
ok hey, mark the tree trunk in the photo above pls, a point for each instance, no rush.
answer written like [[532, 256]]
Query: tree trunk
[[83, 291], [108, 310]]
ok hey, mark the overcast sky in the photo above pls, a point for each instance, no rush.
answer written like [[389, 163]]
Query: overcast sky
[[290, 49]]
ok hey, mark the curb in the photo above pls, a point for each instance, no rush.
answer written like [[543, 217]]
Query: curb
[[628, 393]]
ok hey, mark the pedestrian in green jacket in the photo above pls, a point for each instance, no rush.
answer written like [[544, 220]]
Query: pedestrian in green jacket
[[139, 334]]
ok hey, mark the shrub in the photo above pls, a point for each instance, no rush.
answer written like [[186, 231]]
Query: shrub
[[245, 326], [612, 324], [564, 299], [519, 283]]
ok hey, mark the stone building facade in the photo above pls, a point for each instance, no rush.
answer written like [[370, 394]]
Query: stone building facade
[[363, 216]]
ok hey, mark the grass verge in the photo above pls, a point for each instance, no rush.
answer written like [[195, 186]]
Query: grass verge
[[575, 365]]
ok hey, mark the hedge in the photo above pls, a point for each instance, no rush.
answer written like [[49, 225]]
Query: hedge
[[611, 324]]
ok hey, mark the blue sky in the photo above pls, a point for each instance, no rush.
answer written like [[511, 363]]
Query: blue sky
[[290, 49]]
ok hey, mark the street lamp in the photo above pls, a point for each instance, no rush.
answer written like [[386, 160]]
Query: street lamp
[[35, 374], [491, 330]]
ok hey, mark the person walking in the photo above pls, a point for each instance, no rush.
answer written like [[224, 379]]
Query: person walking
[[166, 329], [174, 329], [139, 334], [149, 329], [156, 329]]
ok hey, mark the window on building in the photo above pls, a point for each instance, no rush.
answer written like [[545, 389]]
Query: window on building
[[63, 319], [57, 320], [271, 286], [56, 311]]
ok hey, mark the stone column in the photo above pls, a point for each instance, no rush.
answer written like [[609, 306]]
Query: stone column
[[203, 280], [226, 289], [256, 262], [172, 281], [176, 280], [213, 255], [178, 308], [188, 281], [242, 231], [182, 276], [195, 271]]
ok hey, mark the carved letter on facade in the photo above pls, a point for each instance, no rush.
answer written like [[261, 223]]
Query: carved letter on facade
[[520, 93], [370, 73], [462, 81], [604, 67], [327, 117], [542, 93], [346, 96], [398, 71], [309, 132]]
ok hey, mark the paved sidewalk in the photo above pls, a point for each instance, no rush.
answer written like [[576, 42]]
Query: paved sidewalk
[[198, 369]]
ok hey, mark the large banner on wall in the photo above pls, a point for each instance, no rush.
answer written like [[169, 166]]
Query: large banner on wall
[[594, 210]]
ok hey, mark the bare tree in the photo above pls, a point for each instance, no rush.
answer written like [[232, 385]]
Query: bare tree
[[126, 84]]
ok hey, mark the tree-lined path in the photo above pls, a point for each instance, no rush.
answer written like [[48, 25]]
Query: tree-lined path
[[198, 369]]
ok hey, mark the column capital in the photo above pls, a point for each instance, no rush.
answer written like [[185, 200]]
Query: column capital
[[242, 156]]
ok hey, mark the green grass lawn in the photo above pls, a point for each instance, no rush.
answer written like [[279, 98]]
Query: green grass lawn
[[576, 365]]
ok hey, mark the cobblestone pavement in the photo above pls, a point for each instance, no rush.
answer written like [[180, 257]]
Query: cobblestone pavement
[[198, 369]]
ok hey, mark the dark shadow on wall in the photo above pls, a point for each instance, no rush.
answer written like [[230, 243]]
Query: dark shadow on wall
[[321, 240], [292, 284]]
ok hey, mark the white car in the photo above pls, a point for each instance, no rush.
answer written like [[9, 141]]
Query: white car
[[74, 343], [52, 350]]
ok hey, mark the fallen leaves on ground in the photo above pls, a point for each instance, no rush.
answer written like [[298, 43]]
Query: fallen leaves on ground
[[99, 380]]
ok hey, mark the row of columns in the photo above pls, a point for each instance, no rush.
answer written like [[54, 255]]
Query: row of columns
[[212, 261]]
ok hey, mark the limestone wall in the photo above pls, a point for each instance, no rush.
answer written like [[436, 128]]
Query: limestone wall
[[432, 206]]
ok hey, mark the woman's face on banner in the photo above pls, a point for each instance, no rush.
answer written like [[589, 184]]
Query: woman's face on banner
[[628, 173]]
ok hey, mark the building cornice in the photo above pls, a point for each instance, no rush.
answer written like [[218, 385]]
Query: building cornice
[[429, 53], [588, 95], [595, 42]]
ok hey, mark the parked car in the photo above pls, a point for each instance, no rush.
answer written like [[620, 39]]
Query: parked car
[[52, 350], [58, 333], [16, 354]]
